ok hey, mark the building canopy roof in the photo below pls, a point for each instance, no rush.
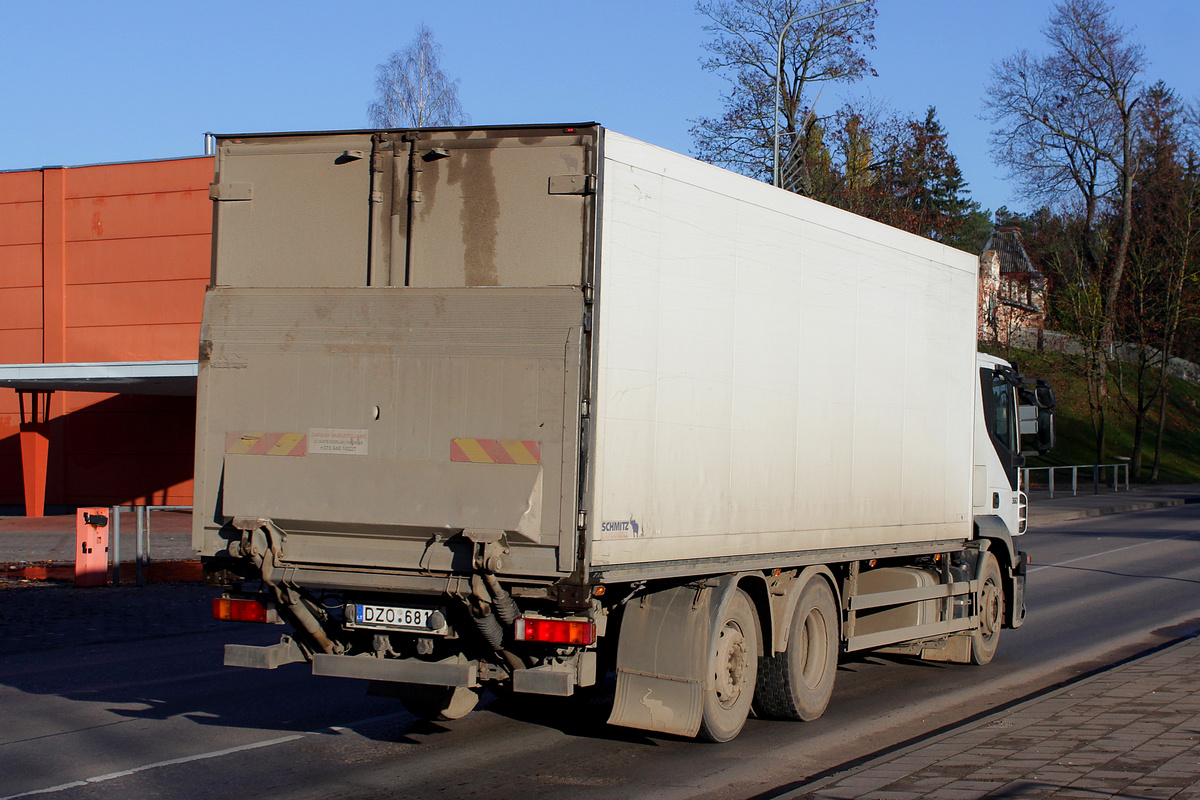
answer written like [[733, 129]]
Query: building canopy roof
[[177, 378]]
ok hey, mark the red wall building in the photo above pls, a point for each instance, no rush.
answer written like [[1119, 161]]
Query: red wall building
[[100, 264]]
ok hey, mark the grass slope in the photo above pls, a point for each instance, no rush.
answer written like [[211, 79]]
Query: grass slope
[[1076, 440]]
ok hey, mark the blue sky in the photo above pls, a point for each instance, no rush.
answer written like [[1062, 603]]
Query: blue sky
[[87, 82]]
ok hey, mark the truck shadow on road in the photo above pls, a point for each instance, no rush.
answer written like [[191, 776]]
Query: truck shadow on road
[[582, 715], [154, 654]]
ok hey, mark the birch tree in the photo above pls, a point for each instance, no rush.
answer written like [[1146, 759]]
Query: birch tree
[[744, 49], [412, 91]]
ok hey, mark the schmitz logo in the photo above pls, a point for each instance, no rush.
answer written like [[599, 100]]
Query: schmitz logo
[[625, 529]]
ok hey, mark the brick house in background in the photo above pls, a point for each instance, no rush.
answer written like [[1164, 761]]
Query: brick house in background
[[102, 277], [1012, 294]]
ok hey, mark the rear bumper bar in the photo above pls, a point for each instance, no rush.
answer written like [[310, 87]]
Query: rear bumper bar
[[396, 670]]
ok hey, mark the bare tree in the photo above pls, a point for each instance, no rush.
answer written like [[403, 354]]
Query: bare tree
[[1066, 132], [1164, 259], [412, 91], [1185, 276], [743, 48]]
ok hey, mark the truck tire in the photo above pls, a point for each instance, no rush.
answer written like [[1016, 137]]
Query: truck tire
[[732, 670], [797, 683], [986, 637]]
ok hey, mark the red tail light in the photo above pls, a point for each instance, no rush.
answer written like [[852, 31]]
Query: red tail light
[[233, 610], [555, 631]]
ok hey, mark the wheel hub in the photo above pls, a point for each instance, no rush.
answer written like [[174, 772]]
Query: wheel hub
[[812, 659], [989, 616], [732, 664]]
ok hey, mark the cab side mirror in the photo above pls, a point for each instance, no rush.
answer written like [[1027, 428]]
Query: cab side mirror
[[1028, 416], [1036, 416], [1045, 432], [1043, 396]]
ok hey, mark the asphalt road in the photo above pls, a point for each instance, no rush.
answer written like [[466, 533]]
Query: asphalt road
[[158, 716]]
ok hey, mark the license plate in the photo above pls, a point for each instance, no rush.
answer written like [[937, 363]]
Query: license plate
[[399, 618]]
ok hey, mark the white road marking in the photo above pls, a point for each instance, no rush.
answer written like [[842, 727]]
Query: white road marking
[[353, 725], [110, 776], [338, 729], [1095, 555]]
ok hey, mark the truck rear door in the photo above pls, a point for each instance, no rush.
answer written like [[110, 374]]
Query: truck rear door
[[395, 345]]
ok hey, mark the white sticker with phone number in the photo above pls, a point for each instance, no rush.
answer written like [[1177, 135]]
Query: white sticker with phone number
[[337, 441]]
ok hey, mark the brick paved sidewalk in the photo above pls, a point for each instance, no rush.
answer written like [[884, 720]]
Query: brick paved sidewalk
[[1129, 732]]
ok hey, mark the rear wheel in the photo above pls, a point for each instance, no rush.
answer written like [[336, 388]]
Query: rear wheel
[[986, 638], [732, 669], [797, 683]]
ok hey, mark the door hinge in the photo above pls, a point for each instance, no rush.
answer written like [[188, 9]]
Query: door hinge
[[572, 184]]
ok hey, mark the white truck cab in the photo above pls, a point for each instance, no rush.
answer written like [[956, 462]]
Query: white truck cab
[[1010, 410]]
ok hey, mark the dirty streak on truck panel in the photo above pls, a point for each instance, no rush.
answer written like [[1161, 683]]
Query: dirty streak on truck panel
[[440, 208]]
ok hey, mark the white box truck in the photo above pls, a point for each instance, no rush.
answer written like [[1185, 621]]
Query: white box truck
[[529, 407]]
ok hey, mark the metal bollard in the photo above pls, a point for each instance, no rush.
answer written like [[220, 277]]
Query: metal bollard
[[91, 547]]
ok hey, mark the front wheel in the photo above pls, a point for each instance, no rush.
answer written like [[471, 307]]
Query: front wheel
[[732, 669], [986, 638]]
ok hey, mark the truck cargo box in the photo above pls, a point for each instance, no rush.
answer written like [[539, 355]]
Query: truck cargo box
[[619, 360]]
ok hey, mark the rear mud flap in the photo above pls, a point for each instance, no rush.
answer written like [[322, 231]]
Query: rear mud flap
[[662, 657], [660, 661]]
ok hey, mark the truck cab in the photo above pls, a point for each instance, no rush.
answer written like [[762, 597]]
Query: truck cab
[[1014, 420]]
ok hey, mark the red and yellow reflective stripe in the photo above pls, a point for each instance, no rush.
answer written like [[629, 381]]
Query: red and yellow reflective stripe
[[258, 443], [495, 451]]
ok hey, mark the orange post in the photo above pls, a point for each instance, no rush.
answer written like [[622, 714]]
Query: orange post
[[35, 455], [91, 547], [34, 433]]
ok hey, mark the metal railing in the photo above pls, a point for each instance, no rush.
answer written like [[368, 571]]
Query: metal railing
[[141, 516], [1097, 476]]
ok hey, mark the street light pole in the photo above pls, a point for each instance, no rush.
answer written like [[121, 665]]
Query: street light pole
[[779, 71]]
